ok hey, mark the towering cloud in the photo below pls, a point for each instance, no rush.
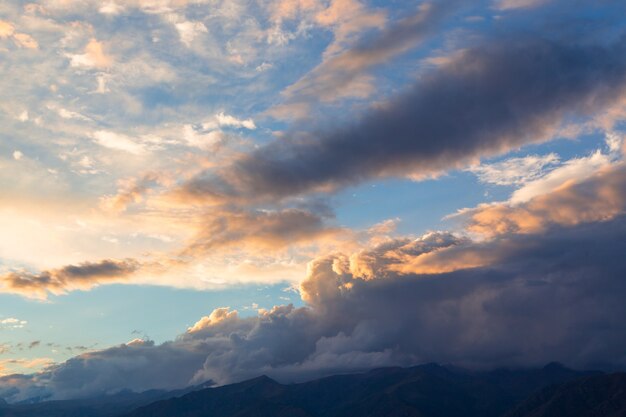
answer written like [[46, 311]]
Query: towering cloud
[[563, 287]]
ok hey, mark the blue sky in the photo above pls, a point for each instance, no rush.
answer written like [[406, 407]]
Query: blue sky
[[176, 173]]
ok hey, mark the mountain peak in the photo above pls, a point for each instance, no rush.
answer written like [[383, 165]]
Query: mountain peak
[[555, 366]]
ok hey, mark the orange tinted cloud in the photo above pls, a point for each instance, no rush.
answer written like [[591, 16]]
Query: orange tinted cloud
[[71, 277], [601, 197]]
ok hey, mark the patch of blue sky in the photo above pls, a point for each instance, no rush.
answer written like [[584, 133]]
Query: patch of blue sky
[[115, 314]]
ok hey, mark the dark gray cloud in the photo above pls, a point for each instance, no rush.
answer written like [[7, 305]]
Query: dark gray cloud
[[557, 295], [486, 100], [259, 230], [69, 277]]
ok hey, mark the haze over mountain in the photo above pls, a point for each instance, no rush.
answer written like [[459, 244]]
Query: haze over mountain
[[426, 391]]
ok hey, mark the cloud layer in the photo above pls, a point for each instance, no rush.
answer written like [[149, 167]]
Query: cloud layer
[[557, 294], [485, 101]]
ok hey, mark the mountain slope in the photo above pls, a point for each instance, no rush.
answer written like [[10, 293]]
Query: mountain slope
[[423, 391], [104, 406], [595, 396]]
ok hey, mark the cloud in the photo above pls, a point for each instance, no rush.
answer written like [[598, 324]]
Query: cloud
[[518, 4], [600, 197], [118, 141], [93, 56], [344, 73], [573, 170], [71, 277], [288, 9], [6, 29], [12, 323], [111, 8], [259, 232], [225, 120], [345, 18], [554, 295], [131, 191], [188, 31], [376, 262], [12, 366], [486, 101], [515, 171], [24, 40], [207, 140], [217, 317], [17, 155]]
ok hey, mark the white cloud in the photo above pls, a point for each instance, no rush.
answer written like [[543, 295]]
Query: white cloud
[[111, 8], [24, 40], [102, 84], [576, 169], [6, 29], [118, 142], [93, 56], [613, 141], [17, 155], [188, 31], [68, 114], [13, 323], [263, 67], [515, 171], [23, 116], [517, 4], [225, 120], [208, 140]]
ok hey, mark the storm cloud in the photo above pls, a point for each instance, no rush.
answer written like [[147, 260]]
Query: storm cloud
[[485, 101], [552, 295]]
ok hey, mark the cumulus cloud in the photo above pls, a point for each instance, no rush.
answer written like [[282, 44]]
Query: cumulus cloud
[[598, 198], [217, 316], [71, 277], [546, 296], [489, 99], [544, 284]]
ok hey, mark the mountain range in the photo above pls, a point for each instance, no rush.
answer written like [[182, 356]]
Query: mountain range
[[427, 390]]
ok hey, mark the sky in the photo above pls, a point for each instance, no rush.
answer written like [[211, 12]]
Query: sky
[[197, 190]]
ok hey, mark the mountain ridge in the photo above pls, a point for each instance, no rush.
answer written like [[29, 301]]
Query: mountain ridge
[[429, 390]]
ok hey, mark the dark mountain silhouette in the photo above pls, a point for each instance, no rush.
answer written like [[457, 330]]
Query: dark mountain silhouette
[[422, 391], [103, 406], [594, 396]]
